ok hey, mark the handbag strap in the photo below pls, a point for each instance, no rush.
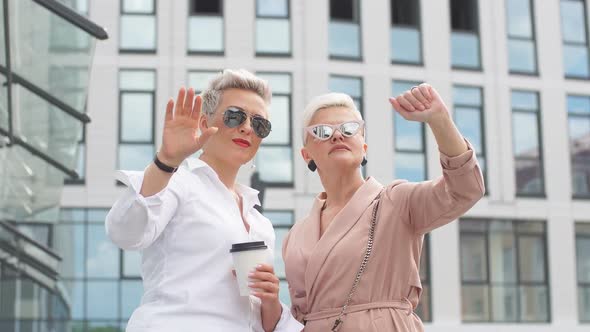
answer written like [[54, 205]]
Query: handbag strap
[[359, 273]]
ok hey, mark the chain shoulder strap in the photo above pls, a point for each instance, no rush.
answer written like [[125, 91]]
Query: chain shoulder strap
[[359, 273]]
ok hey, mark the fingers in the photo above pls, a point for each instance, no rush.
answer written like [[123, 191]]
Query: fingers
[[399, 108], [196, 111], [415, 104], [400, 103], [264, 287], [265, 268], [180, 101], [188, 102], [426, 90], [169, 110], [419, 95]]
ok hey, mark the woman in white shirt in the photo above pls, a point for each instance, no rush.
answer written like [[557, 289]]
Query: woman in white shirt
[[184, 215]]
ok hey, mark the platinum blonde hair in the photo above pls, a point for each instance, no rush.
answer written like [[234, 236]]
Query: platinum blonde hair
[[233, 79], [333, 99]]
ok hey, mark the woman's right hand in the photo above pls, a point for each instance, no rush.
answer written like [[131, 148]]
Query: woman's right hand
[[180, 137]]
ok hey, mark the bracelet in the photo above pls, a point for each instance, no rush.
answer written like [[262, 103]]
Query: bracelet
[[164, 167]]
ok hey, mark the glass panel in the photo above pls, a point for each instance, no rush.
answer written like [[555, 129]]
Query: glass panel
[[135, 157], [351, 86], [131, 292], [284, 295], [64, 39], [579, 131], [525, 135], [205, 34], [575, 61], [273, 36], [582, 228], [467, 96], [137, 80], [103, 256], [399, 87], [75, 292], [69, 241], [279, 83], [199, 80], [39, 233], [279, 218], [112, 326], [410, 166], [405, 45], [470, 225], [279, 264], [344, 40], [423, 309], [473, 258], [465, 50], [97, 215], [583, 259], [468, 121], [131, 264], [137, 117], [534, 304], [72, 215], [138, 6], [504, 304], [69, 85], [529, 176], [525, 101], [138, 32], [502, 254], [584, 303], [531, 258], [519, 18], [573, 21], [280, 117], [274, 8], [275, 164], [475, 303], [103, 300], [408, 134], [578, 104], [522, 57]]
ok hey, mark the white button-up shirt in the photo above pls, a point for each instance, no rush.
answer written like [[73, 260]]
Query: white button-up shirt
[[184, 234]]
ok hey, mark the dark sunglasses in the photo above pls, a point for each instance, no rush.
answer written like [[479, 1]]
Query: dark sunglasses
[[233, 117]]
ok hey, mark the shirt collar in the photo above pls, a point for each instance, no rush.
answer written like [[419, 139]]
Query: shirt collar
[[249, 195]]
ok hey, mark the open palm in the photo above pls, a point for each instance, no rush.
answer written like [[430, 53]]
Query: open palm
[[180, 137]]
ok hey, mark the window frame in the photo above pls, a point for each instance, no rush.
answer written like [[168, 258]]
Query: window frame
[[567, 43], [357, 21], [418, 27], [532, 39], [287, 17], [122, 13], [477, 32], [191, 13]]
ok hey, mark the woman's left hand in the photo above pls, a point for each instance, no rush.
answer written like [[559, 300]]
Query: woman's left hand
[[422, 103]]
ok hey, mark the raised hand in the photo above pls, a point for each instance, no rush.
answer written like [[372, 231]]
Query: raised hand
[[422, 103], [180, 137]]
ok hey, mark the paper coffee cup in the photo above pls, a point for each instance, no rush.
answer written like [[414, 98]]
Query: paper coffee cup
[[246, 257]]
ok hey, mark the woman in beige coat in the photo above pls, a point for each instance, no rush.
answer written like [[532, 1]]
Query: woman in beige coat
[[323, 252]]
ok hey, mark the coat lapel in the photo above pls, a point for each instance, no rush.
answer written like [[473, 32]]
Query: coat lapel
[[338, 228]]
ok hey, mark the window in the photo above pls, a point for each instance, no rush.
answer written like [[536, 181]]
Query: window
[[579, 132], [345, 30], [406, 43], [91, 267], [352, 86], [136, 118], [282, 220], [504, 271], [424, 309], [273, 29], [575, 38], [205, 27], [522, 53], [138, 26], [526, 138], [274, 159], [409, 142], [199, 79], [469, 118], [465, 53], [583, 269]]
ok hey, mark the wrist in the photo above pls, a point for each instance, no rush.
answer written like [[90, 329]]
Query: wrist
[[441, 119], [167, 160], [164, 166]]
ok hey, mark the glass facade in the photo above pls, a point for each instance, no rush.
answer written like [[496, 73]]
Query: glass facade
[[522, 53], [138, 32], [405, 34]]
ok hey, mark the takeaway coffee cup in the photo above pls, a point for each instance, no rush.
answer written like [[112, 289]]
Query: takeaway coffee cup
[[246, 256]]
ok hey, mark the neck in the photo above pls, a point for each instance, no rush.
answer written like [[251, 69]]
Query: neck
[[341, 185], [227, 173]]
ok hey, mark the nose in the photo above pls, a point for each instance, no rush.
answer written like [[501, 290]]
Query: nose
[[337, 136], [246, 127]]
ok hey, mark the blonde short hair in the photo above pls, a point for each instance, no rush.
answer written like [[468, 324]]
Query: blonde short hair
[[233, 79], [333, 99]]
